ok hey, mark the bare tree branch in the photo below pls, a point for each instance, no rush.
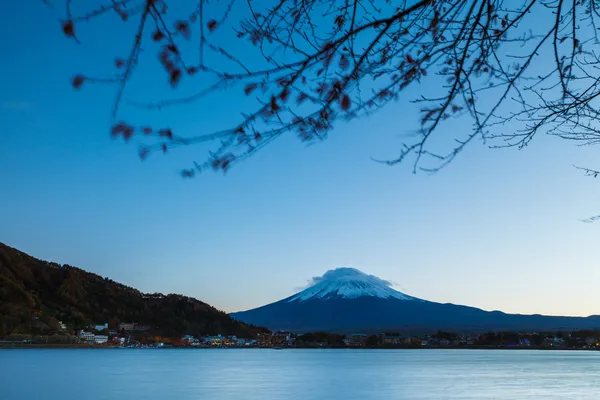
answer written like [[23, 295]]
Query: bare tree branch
[[529, 64]]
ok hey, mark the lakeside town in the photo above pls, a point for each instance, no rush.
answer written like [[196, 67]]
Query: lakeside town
[[139, 335]]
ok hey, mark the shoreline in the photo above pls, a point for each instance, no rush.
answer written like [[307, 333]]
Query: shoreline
[[10, 346]]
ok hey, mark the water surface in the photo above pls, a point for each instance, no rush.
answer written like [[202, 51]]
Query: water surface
[[219, 374]]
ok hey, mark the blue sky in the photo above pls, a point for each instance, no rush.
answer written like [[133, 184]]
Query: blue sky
[[497, 229]]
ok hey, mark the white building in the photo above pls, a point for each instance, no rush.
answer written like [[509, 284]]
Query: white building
[[100, 339], [88, 337]]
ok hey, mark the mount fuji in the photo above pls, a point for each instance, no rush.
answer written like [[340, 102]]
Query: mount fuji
[[347, 300]]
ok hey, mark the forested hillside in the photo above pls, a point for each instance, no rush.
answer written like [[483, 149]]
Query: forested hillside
[[35, 295]]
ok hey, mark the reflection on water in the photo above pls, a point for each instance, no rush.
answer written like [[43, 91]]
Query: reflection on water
[[219, 374]]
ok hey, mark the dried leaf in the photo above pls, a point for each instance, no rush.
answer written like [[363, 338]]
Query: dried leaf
[[78, 81], [68, 28], [249, 88], [166, 132], [121, 128], [187, 173], [174, 77], [211, 25], [274, 106], [183, 28], [158, 36], [285, 94], [345, 102]]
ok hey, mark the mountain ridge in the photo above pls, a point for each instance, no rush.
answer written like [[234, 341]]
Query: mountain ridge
[[380, 308]]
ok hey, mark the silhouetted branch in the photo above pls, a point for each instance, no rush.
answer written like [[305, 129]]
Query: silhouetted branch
[[528, 63]]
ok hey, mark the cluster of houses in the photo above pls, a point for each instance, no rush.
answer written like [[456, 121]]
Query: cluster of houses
[[100, 334], [217, 341], [97, 334], [590, 340], [277, 339], [587, 340]]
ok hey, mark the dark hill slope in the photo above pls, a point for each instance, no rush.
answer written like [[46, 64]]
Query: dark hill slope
[[35, 295]]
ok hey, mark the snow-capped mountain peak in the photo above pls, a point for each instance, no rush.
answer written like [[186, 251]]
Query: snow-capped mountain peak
[[348, 283]]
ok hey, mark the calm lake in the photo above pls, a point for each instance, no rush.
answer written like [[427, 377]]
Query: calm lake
[[218, 374]]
